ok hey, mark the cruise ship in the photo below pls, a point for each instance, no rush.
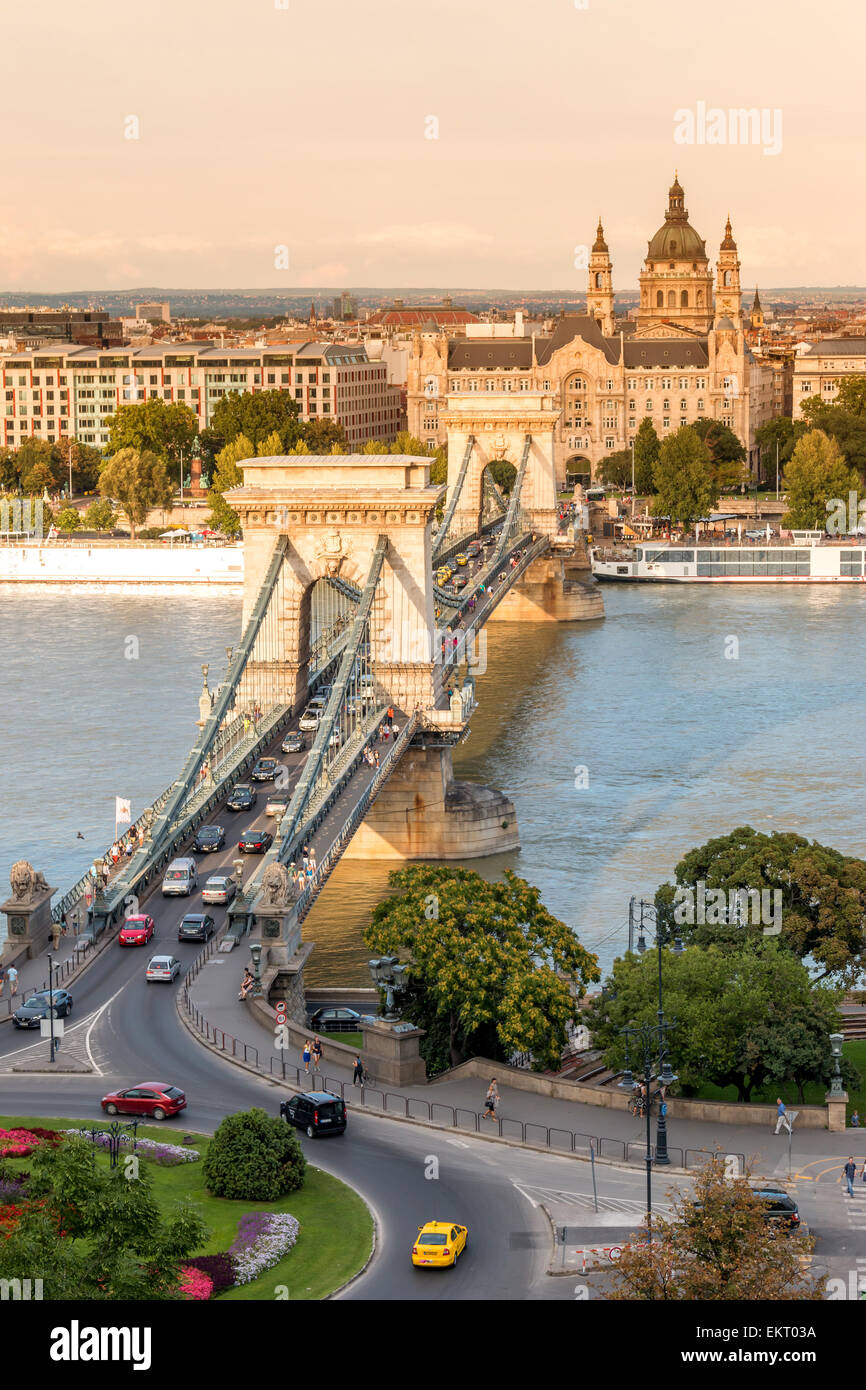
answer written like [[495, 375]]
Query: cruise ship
[[810, 561]]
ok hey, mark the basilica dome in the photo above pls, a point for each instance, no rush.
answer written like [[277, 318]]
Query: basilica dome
[[677, 239]]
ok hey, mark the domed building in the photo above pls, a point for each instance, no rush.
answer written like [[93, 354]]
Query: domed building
[[676, 284]]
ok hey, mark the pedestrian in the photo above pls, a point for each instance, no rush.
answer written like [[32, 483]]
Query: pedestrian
[[307, 1056], [2, 980], [56, 933], [781, 1116], [849, 1170], [358, 1072], [317, 1054], [106, 872], [76, 921], [855, 1120], [12, 977], [491, 1101], [390, 713], [246, 983], [376, 756]]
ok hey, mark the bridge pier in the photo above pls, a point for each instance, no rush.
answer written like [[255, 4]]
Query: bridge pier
[[555, 588], [423, 812]]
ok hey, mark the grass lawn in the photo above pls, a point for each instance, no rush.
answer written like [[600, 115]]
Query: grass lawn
[[854, 1050], [336, 1233], [350, 1039]]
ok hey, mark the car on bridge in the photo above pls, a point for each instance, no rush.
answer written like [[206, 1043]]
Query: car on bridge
[[196, 926], [473, 549], [159, 1099], [265, 770], [458, 582], [309, 720], [439, 1243], [136, 930], [462, 559], [336, 739], [209, 837], [36, 1007], [255, 841], [294, 742], [317, 1112], [277, 804], [162, 968], [243, 798], [219, 890], [443, 575]]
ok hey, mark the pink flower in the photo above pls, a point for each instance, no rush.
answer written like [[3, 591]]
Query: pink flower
[[194, 1283]]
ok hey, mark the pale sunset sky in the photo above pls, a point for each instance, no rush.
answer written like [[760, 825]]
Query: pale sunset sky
[[304, 123]]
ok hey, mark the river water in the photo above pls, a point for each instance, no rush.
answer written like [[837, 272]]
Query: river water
[[686, 712]]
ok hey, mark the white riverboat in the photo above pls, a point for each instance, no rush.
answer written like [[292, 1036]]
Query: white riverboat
[[708, 562]]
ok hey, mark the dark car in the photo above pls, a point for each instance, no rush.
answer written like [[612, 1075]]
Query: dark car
[[196, 926], [265, 770], [242, 798], [255, 841], [208, 838], [33, 1010], [294, 742], [780, 1208], [318, 1112], [335, 1021]]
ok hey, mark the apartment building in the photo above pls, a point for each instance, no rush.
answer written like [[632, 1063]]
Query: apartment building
[[820, 368], [56, 394]]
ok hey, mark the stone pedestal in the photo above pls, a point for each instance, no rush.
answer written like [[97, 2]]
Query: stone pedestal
[[284, 979], [837, 1109], [391, 1053], [553, 589], [28, 925]]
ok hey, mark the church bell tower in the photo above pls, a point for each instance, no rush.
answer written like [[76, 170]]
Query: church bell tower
[[599, 295]]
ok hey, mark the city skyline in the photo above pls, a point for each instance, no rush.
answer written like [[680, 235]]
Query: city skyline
[[257, 148]]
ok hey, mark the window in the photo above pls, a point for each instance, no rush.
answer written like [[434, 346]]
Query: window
[[666, 422], [271, 378], [631, 405], [154, 380], [700, 404], [684, 405], [684, 299], [660, 300], [649, 405], [666, 405]]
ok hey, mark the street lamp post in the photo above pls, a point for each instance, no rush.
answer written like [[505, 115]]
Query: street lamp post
[[647, 1038], [666, 1075], [256, 953], [52, 1052], [837, 1090]]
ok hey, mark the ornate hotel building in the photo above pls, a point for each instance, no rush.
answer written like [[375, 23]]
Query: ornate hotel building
[[685, 357]]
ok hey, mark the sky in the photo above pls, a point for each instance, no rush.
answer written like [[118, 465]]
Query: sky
[[452, 143]]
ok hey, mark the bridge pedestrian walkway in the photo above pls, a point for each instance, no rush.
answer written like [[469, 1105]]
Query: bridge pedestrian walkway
[[33, 974]]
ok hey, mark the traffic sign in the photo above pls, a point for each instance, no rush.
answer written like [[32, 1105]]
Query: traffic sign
[[45, 1027]]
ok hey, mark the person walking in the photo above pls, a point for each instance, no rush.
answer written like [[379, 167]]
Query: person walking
[[56, 933], [12, 977], [2, 980], [781, 1116], [491, 1100], [317, 1054], [306, 1055], [855, 1120], [358, 1072], [849, 1170]]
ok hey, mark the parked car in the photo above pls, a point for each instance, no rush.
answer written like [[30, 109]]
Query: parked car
[[209, 837], [136, 930], [35, 1008], [243, 798], [162, 968], [265, 770], [277, 803], [196, 926], [439, 1243], [180, 878], [318, 1112], [255, 841], [335, 1021], [294, 742], [220, 889], [155, 1098]]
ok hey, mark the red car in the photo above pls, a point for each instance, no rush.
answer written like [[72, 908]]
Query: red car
[[154, 1098], [136, 931]]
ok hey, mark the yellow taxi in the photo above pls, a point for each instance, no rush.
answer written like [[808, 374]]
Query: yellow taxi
[[444, 575], [462, 559], [439, 1243]]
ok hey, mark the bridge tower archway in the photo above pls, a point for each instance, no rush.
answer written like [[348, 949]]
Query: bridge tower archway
[[498, 425]]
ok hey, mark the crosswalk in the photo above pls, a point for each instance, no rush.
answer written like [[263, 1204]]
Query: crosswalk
[[584, 1201]]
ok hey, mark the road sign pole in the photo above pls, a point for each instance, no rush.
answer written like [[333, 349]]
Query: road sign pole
[[592, 1166]]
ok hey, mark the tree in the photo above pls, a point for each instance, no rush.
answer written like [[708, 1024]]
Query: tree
[[271, 447], [846, 426], [86, 463], [375, 446], [718, 1246], [503, 474], [823, 893], [323, 435], [439, 466], [726, 451], [227, 475], [9, 473], [851, 395], [732, 1008], [684, 477], [68, 519], [97, 1233], [615, 469], [781, 430], [38, 466], [138, 480], [646, 452], [484, 955], [300, 446], [100, 516], [256, 415], [254, 1157], [816, 475], [155, 427]]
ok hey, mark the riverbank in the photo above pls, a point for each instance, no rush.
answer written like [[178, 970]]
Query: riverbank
[[122, 564]]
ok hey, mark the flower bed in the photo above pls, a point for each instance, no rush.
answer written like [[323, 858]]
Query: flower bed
[[20, 1143], [195, 1283], [12, 1188], [167, 1155], [263, 1239]]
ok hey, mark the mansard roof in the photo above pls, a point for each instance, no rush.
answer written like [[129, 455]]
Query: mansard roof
[[569, 327], [665, 352]]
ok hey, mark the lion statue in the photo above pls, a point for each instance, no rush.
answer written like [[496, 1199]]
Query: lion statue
[[275, 885], [24, 881]]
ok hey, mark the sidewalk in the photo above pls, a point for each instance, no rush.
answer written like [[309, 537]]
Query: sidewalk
[[33, 974], [214, 994]]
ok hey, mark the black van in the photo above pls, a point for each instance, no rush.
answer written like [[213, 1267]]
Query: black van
[[318, 1112]]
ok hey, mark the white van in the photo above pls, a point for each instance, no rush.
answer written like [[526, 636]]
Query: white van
[[180, 879]]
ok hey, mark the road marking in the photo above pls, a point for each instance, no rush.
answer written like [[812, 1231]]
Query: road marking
[[96, 1017], [459, 1143], [525, 1194]]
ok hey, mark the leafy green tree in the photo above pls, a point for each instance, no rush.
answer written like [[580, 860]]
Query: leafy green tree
[[615, 469], [407, 443], [227, 475], [323, 435], [100, 516], [115, 1244], [726, 451], [823, 893], [716, 1247], [851, 395], [37, 464], [439, 467], [156, 427], [68, 519], [138, 480], [816, 474], [271, 447], [375, 446], [257, 415], [254, 1157], [781, 430], [846, 426], [684, 477], [300, 446], [646, 451], [730, 1006], [485, 955], [9, 473], [86, 464]]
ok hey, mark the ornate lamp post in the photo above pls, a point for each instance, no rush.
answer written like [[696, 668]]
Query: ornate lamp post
[[648, 1036], [837, 1090], [391, 976], [666, 1075], [256, 953]]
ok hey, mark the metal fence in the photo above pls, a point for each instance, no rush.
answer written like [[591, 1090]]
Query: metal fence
[[60, 973]]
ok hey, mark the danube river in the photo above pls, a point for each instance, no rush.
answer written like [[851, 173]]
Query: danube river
[[686, 712]]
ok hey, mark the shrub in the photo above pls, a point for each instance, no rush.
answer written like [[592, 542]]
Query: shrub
[[194, 1283], [254, 1157], [68, 519], [100, 516]]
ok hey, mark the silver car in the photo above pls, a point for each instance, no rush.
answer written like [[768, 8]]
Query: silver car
[[220, 889], [162, 968]]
